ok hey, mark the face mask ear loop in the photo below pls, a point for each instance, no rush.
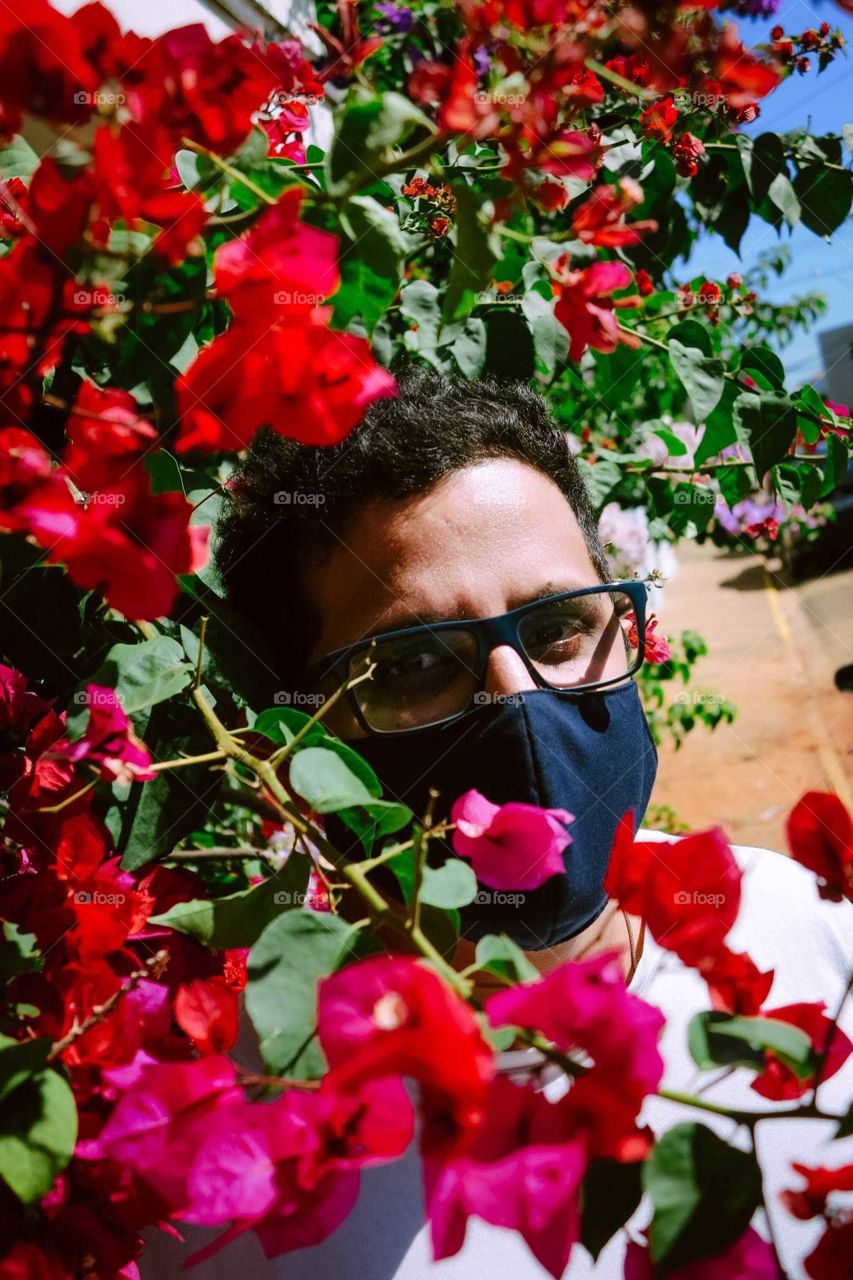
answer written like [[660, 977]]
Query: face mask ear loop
[[534, 762]]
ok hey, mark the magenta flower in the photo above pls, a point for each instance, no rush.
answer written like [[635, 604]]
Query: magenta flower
[[510, 846], [584, 1004], [109, 741], [522, 1172]]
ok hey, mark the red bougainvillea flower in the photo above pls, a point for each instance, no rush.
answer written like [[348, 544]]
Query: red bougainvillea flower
[[133, 182], [280, 262], [108, 741], [105, 437], [57, 206], [600, 220], [820, 837], [130, 544], [570, 154], [750, 1255], [585, 307], [833, 1254], [687, 890], [207, 1010], [42, 67], [33, 495], [658, 120], [392, 1016], [656, 648], [584, 1004], [743, 77], [645, 284], [735, 982], [778, 1081], [295, 375], [523, 1171], [107, 909], [197, 88], [19, 707], [687, 152], [465, 109], [510, 846]]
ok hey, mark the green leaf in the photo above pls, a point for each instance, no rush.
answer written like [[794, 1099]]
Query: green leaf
[[610, 1193], [326, 781], [720, 430], [452, 885], [239, 919], [17, 159], [701, 376], [783, 195], [549, 336], [369, 127], [19, 951], [763, 162], [142, 675], [835, 467], [371, 263], [762, 364], [476, 250], [496, 953], [703, 1193], [20, 1060], [690, 333], [38, 1130], [285, 965], [768, 425], [718, 1040], [692, 508], [469, 349], [825, 196]]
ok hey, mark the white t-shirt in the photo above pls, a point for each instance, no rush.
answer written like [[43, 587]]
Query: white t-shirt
[[783, 924]]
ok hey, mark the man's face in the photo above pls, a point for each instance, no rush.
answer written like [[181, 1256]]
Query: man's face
[[483, 541]]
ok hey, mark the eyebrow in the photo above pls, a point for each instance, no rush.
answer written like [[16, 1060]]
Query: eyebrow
[[427, 619]]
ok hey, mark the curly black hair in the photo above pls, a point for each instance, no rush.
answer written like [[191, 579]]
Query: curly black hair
[[288, 504]]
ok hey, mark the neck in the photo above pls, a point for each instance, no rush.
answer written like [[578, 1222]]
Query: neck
[[608, 932]]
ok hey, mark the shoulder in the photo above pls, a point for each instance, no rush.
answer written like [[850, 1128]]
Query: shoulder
[[784, 924]]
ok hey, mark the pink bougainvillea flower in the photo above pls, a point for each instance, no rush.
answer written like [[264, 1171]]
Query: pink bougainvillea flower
[[687, 890], [280, 262], [585, 307], [289, 372], [600, 220], [778, 1081], [106, 435], [820, 837], [19, 707], [522, 1172], [393, 1016], [108, 742], [510, 846], [289, 1170], [164, 1115], [572, 154], [585, 1005], [130, 543], [750, 1255]]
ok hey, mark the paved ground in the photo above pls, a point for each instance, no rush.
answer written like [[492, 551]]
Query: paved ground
[[774, 649]]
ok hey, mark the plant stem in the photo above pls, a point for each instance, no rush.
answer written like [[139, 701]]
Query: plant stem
[[153, 968], [232, 173]]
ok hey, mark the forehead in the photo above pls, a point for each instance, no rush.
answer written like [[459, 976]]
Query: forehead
[[483, 540]]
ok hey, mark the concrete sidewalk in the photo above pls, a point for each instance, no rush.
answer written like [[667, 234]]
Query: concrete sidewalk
[[773, 650]]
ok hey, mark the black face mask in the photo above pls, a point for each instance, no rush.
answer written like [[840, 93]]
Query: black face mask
[[590, 753]]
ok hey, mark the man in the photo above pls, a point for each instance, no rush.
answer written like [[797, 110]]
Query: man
[[450, 543]]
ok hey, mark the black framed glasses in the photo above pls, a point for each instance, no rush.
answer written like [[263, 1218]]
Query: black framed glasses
[[431, 674]]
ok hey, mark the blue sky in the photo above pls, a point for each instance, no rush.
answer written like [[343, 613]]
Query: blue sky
[[824, 103]]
